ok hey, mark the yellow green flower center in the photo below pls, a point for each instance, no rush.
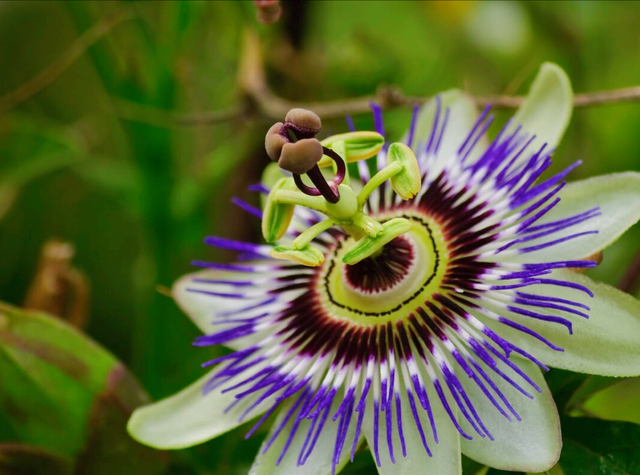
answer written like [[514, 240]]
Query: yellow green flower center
[[383, 287]]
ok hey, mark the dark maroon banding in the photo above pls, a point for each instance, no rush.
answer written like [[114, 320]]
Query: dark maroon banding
[[383, 271]]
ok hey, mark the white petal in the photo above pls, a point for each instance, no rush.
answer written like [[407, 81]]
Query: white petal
[[446, 454], [201, 308], [547, 110], [463, 114], [618, 197], [187, 418], [532, 444], [606, 344], [318, 463]]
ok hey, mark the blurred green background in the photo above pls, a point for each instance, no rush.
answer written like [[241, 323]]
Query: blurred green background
[[97, 154]]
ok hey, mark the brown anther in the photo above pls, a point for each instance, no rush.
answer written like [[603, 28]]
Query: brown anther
[[301, 156], [273, 141], [304, 119]]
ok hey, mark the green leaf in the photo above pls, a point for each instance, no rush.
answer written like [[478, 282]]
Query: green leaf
[[495, 471], [61, 391], [592, 446], [555, 470], [50, 373], [23, 459], [617, 402], [563, 385], [471, 467], [591, 385], [108, 448]]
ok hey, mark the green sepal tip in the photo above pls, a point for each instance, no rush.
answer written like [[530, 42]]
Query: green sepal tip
[[407, 182], [276, 216]]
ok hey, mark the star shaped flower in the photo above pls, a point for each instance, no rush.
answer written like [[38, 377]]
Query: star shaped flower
[[420, 317]]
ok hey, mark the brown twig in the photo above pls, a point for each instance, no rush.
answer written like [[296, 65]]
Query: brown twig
[[613, 96], [253, 82], [630, 281], [66, 59]]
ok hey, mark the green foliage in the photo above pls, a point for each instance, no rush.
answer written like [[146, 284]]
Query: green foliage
[[495, 471], [613, 400], [23, 459], [593, 446], [65, 399], [471, 467]]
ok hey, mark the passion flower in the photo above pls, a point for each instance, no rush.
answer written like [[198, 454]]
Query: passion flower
[[418, 312]]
